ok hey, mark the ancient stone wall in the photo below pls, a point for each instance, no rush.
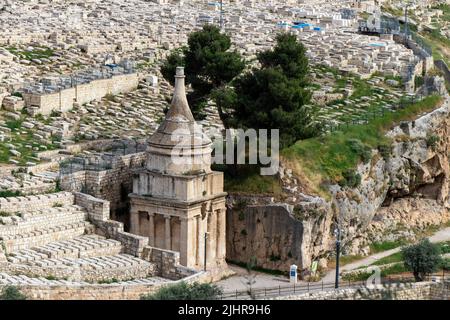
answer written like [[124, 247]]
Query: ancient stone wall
[[412, 291], [83, 93], [39, 202], [167, 263], [113, 291], [97, 209], [113, 185], [132, 243], [137, 271]]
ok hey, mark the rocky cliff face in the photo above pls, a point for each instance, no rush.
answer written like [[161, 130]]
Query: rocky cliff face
[[398, 194]]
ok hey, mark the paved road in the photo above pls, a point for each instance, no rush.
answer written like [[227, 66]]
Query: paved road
[[239, 280], [440, 236]]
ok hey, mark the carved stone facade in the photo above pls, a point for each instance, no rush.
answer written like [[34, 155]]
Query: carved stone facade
[[180, 204]]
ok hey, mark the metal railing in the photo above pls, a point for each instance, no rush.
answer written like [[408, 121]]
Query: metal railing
[[293, 289]]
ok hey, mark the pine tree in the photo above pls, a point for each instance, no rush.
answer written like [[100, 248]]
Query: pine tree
[[209, 64]]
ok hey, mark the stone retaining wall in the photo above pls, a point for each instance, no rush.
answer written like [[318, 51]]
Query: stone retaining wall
[[99, 291], [32, 203], [167, 263], [97, 209], [409, 291], [83, 93], [133, 244], [81, 274], [113, 184]]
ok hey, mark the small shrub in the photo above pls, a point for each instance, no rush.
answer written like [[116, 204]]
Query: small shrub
[[432, 141], [57, 187], [11, 293], [385, 151], [9, 193], [54, 114], [240, 204], [275, 258], [109, 97], [185, 291], [422, 259], [445, 264], [244, 232], [362, 150], [109, 281], [57, 205], [350, 179], [418, 82]]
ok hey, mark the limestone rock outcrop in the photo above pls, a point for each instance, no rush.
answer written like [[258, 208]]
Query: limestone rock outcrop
[[400, 193]]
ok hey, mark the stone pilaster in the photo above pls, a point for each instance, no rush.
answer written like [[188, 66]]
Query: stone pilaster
[[134, 222], [221, 232], [151, 231], [200, 244], [213, 238], [167, 233]]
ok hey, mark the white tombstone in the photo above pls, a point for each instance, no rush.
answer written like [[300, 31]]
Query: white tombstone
[[293, 274], [153, 80]]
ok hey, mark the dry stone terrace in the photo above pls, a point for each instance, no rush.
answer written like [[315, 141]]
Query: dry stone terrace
[[52, 239], [342, 99], [132, 115], [64, 238], [103, 32], [23, 183]]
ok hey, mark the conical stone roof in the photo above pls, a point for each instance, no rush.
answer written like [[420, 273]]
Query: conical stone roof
[[179, 146], [179, 124]]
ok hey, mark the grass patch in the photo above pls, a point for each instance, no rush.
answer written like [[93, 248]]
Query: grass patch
[[349, 259], [393, 258], [247, 179], [36, 53], [343, 260], [361, 276], [325, 159], [9, 193], [25, 143], [444, 248], [385, 245]]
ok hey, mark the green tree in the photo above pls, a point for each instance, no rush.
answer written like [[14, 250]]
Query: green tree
[[11, 293], [225, 98], [185, 291], [274, 96], [209, 64], [288, 54], [422, 259]]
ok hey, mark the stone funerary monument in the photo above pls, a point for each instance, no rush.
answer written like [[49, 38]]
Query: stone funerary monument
[[179, 202]]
